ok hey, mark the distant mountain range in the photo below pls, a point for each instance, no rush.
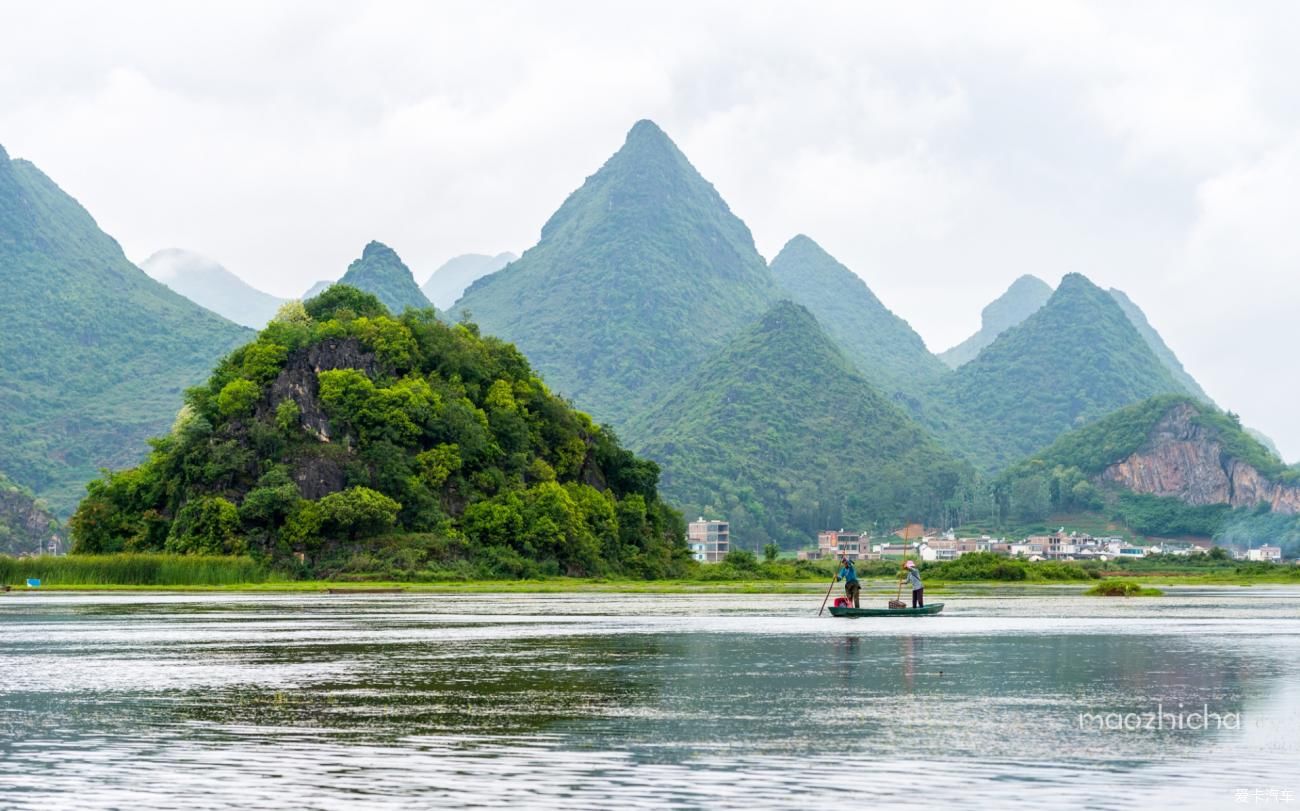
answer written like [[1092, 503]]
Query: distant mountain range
[[94, 354], [787, 396], [640, 275], [1022, 299], [447, 284], [210, 285], [1074, 360]]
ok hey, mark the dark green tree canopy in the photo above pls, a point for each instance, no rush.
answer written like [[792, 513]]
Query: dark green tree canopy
[[340, 423]]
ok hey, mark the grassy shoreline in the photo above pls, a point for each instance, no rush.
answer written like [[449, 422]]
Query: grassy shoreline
[[558, 585]]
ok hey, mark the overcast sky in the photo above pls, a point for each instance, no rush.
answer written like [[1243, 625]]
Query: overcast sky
[[938, 150]]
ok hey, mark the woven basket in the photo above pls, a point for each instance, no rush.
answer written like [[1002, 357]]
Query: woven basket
[[897, 604]]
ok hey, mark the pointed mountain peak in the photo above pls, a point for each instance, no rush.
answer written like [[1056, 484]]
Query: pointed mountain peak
[[1077, 283], [4, 156], [881, 345], [375, 249], [381, 271], [647, 133], [799, 246]]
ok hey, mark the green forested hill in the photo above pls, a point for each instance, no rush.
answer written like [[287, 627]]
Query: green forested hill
[[94, 354], [341, 423], [883, 346], [642, 272], [1076, 359], [382, 273], [782, 435], [1022, 299]]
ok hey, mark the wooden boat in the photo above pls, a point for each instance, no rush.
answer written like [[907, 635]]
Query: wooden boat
[[842, 611], [364, 591]]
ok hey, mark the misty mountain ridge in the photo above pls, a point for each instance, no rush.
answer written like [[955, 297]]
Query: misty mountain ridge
[[209, 284], [882, 345], [447, 284]]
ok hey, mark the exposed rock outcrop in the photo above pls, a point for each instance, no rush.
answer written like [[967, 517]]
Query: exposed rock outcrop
[[317, 473], [26, 528], [297, 380], [1184, 459]]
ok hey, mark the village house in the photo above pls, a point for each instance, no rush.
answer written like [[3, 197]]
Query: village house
[[709, 540], [1270, 554]]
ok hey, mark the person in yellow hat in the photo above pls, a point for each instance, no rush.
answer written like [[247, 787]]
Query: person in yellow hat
[[914, 579]]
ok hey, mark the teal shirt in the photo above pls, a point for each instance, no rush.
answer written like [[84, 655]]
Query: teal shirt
[[848, 574], [914, 577]]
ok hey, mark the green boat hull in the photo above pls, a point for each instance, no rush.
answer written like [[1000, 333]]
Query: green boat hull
[[841, 611]]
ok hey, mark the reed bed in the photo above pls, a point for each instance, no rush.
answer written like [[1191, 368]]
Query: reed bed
[[132, 570]]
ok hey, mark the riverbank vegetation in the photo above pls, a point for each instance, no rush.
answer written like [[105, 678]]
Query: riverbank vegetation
[[133, 570], [1122, 588]]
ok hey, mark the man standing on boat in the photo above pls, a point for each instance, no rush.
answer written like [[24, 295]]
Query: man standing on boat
[[852, 588], [918, 588]]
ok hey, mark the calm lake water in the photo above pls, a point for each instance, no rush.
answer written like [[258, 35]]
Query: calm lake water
[[417, 701]]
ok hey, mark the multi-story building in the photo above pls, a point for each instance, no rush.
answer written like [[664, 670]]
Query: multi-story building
[[710, 540], [1272, 554]]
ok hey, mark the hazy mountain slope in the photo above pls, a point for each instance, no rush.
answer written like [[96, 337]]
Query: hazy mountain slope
[[94, 354], [382, 273], [1076, 359], [882, 345], [1158, 345], [210, 285], [1022, 299], [640, 274], [779, 432], [447, 284]]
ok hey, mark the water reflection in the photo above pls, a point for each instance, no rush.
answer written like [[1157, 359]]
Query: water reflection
[[293, 701]]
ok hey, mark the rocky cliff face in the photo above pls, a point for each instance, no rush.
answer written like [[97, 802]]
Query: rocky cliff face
[[25, 527], [1185, 460], [319, 473]]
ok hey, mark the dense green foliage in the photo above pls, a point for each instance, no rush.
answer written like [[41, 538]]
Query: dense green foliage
[[94, 354], [1122, 588], [883, 346], [1022, 299], [1167, 517], [987, 566], [340, 424], [1076, 359], [781, 434], [26, 526], [382, 273], [133, 570], [639, 275]]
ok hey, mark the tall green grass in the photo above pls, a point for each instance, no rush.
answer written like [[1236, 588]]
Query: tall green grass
[[132, 570]]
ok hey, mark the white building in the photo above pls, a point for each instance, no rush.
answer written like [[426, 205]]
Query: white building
[[1272, 554], [710, 540]]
